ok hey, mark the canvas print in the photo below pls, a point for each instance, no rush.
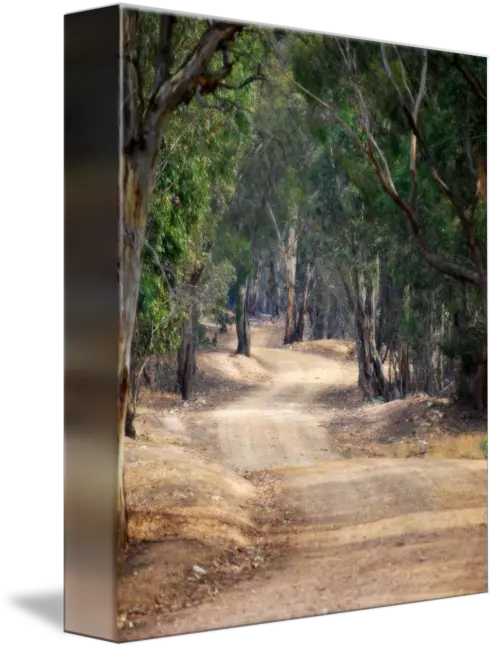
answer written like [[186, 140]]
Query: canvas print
[[303, 325]]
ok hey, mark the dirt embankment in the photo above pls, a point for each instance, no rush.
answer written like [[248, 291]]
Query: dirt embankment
[[196, 527]]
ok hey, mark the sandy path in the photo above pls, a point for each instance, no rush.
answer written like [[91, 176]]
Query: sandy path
[[361, 533], [280, 425]]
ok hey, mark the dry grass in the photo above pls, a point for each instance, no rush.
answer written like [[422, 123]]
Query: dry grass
[[412, 427], [435, 445]]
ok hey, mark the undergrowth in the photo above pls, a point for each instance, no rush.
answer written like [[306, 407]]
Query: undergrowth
[[484, 446]]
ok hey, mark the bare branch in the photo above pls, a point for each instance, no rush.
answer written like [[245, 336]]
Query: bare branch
[[385, 163], [434, 260], [331, 113], [277, 229], [371, 139], [418, 136], [250, 79], [422, 86], [470, 159], [222, 107], [404, 78], [414, 139], [388, 71], [348, 292]]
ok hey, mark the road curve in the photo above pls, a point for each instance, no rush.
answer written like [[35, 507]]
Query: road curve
[[361, 533]]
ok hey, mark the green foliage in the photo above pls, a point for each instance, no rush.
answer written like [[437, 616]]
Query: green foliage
[[194, 185], [374, 400], [484, 447], [215, 290]]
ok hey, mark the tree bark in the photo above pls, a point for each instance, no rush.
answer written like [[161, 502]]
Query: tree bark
[[433, 375], [371, 379], [136, 193], [289, 255], [290, 276], [129, 429], [254, 296], [481, 381], [274, 290], [404, 372], [242, 322], [186, 356], [303, 309]]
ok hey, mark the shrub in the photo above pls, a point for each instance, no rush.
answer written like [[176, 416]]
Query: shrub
[[484, 447]]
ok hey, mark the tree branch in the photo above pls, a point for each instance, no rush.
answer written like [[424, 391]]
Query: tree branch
[[182, 85], [247, 81], [221, 106], [390, 76], [404, 78], [414, 139], [278, 233], [163, 55], [471, 79], [434, 260], [384, 161], [351, 65]]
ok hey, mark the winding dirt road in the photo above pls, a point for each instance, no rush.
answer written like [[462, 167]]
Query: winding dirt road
[[280, 425], [361, 533]]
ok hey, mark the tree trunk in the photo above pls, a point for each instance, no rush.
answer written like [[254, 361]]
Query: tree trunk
[[320, 320], [330, 317], [129, 429], [242, 322], [481, 381], [370, 373], [254, 295], [186, 356], [138, 177], [385, 284], [137, 370], [433, 376], [303, 309], [290, 276], [404, 372], [264, 298], [274, 290], [471, 372]]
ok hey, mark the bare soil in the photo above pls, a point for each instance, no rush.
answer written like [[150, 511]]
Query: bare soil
[[279, 493]]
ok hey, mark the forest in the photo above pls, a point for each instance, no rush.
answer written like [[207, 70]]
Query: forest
[[336, 185]]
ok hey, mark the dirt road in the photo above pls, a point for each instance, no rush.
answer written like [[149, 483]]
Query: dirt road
[[280, 425], [360, 533]]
